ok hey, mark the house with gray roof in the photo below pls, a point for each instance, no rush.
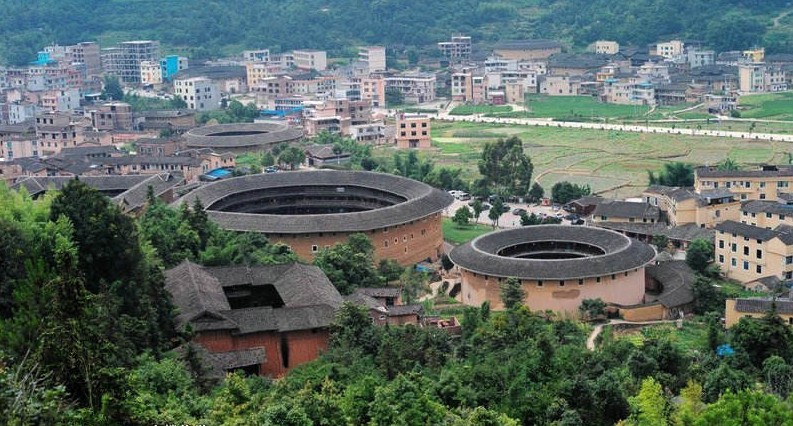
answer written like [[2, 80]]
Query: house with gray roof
[[280, 312], [737, 309]]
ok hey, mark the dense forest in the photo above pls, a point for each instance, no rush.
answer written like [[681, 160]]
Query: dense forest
[[204, 29]]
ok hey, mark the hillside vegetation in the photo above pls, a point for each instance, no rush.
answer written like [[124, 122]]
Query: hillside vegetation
[[210, 28]]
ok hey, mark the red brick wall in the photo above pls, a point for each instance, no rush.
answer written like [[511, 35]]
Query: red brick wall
[[304, 346], [408, 244]]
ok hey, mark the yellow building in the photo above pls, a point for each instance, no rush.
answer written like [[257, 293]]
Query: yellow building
[[749, 253], [683, 206], [767, 214], [765, 183], [757, 308], [606, 47]]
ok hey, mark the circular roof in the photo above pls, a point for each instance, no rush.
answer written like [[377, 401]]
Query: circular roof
[[620, 253], [241, 135], [421, 200]]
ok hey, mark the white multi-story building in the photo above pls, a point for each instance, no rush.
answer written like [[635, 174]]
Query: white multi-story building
[[670, 50], [124, 61], [261, 55], [373, 57], [310, 59], [150, 72], [458, 49], [200, 93], [415, 88]]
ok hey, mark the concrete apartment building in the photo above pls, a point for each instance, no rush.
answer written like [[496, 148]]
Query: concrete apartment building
[[469, 86], [124, 60], [767, 214], [373, 57], [55, 131], [749, 253], [150, 73], [200, 93], [684, 206], [257, 72], [456, 50], [261, 55], [416, 88], [670, 49], [111, 116], [88, 54], [413, 131], [767, 182], [311, 59]]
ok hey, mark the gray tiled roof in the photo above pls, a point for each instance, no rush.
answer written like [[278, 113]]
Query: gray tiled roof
[[380, 291], [621, 253], [625, 209], [272, 133], [399, 310], [774, 171], [528, 44], [422, 201], [763, 206], [761, 306], [309, 297], [676, 278], [37, 185], [744, 230], [135, 197]]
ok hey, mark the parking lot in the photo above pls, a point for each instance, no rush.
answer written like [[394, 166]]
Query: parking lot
[[508, 219]]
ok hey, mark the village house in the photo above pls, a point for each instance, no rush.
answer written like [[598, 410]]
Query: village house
[[276, 317], [749, 253], [413, 131]]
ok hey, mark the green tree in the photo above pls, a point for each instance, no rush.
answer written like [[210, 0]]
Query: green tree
[[414, 284], [112, 89], [728, 165], [564, 192], [495, 212], [512, 293], [349, 265], [406, 401], [478, 207], [505, 166], [536, 193], [699, 254], [673, 174], [390, 270], [690, 406], [592, 309], [660, 241], [462, 216], [747, 407], [649, 406], [707, 297]]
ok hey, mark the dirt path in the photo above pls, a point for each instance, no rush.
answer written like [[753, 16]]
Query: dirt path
[[590, 341], [780, 17]]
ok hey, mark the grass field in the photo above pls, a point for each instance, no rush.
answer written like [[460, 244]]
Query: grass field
[[479, 109], [579, 106], [692, 337], [770, 106], [457, 235], [613, 162], [727, 125]]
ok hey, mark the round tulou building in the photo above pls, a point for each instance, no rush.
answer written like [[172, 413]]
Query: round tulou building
[[558, 266], [241, 137], [312, 210]]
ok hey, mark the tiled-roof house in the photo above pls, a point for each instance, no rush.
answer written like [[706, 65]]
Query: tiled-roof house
[[280, 312]]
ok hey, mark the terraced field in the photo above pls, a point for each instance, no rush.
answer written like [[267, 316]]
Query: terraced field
[[613, 163]]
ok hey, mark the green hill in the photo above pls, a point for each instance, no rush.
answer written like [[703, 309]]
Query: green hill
[[210, 28]]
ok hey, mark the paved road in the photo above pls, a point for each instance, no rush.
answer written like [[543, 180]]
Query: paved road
[[619, 127], [590, 341]]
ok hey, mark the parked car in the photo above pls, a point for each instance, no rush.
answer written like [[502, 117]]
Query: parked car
[[518, 211], [571, 217], [485, 207], [270, 169], [578, 221]]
